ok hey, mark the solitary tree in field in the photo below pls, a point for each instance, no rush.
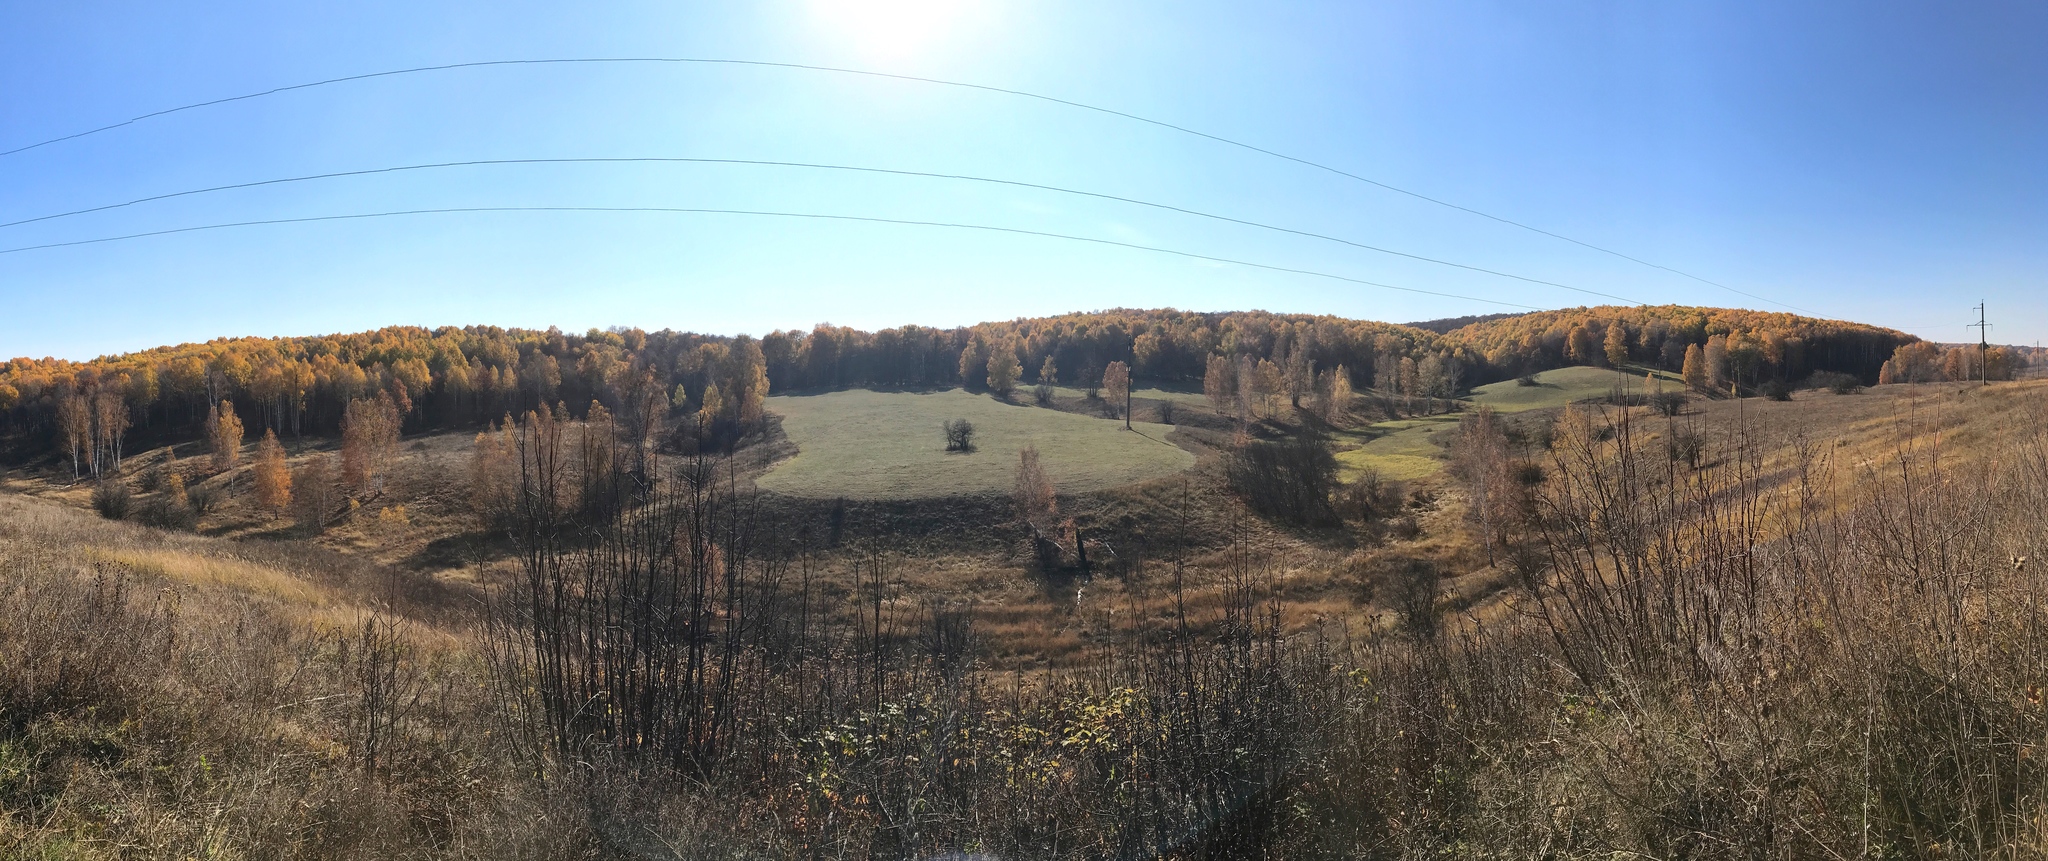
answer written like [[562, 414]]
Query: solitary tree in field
[[369, 440], [1219, 384], [1695, 371], [224, 436], [1048, 373], [1333, 395], [959, 435], [1480, 457], [273, 479], [1299, 373], [493, 468], [1034, 494], [316, 494], [1717, 360], [1116, 380], [1262, 385], [1003, 370]]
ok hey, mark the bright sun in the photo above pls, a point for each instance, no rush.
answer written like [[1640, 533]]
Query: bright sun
[[890, 29]]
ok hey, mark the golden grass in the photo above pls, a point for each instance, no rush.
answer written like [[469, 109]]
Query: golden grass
[[201, 570]]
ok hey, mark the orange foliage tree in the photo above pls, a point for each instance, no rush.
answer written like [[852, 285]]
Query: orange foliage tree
[[273, 478]]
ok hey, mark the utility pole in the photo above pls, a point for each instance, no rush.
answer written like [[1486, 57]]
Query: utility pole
[[1983, 346]]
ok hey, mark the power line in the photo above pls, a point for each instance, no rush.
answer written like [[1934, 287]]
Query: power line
[[770, 214], [815, 166], [917, 79]]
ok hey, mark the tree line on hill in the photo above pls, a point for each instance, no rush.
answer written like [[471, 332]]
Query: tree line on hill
[[453, 377]]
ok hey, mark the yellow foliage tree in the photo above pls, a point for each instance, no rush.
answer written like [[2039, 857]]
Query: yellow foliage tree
[[224, 436], [1116, 383], [273, 478], [1695, 371], [1003, 369], [369, 441]]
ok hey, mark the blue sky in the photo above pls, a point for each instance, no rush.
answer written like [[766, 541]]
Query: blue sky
[[1874, 161]]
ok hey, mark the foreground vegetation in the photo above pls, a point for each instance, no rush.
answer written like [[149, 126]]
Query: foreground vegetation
[[1781, 647]]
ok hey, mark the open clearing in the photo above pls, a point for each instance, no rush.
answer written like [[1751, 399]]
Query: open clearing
[[1554, 388], [888, 445], [1407, 449], [1403, 449]]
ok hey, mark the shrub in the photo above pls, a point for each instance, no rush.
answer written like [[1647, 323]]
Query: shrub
[[112, 500], [1290, 480], [1527, 381], [1669, 403], [1042, 394], [959, 435], [1839, 383], [166, 512], [1776, 390], [1687, 445], [1369, 498], [202, 498], [1166, 412]]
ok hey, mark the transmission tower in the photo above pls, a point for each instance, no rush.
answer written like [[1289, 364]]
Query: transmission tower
[[1983, 346]]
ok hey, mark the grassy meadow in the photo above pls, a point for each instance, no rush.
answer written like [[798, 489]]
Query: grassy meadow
[[864, 444], [1554, 388], [1411, 448]]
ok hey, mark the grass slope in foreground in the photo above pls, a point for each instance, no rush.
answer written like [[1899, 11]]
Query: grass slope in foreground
[[888, 445]]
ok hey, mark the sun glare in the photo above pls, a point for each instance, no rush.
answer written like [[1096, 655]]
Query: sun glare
[[891, 29]]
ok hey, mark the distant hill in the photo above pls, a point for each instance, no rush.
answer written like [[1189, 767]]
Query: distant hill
[[1753, 345], [1446, 325]]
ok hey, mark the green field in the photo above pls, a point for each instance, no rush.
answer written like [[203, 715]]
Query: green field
[[888, 445], [1401, 449], [1555, 389], [1407, 448]]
